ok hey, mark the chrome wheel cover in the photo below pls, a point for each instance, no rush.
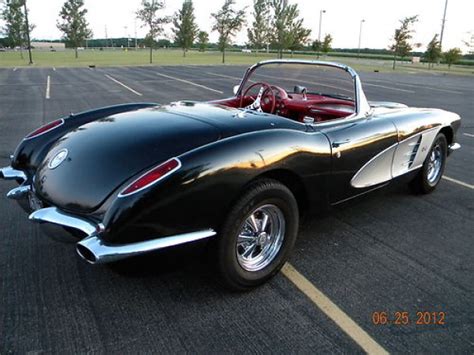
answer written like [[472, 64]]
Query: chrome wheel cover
[[260, 238], [435, 161]]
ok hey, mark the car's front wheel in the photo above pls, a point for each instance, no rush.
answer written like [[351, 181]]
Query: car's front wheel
[[433, 167], [258, 235]]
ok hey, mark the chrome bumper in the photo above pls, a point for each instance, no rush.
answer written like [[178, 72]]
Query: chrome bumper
[[8, 173], [453, 147], [19, 192], [96, 251]]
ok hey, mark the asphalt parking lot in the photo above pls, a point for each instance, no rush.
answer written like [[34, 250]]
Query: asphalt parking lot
[[390, 251]]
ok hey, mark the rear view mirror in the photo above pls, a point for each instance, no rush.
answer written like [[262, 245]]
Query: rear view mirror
[[235, 89]]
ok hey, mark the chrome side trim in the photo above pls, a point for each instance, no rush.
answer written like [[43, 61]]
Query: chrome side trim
[[8, 173], [453, 147], [56, 216], [427, 140], [19, 192], [96, 251]]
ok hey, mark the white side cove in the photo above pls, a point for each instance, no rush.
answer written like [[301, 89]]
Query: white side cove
[[398, 159]]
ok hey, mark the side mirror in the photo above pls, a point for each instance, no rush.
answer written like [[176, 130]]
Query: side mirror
[[235, 89]]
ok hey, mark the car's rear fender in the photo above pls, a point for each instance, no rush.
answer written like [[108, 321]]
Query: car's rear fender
[[211, 178]]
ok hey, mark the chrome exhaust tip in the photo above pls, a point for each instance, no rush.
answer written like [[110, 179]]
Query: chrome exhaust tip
[[86, 254]]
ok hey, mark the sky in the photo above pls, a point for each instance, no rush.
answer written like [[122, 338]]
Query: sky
[[341, 19]]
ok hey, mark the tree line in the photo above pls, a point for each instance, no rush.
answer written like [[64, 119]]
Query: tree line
[[402, 45], [275, 24]]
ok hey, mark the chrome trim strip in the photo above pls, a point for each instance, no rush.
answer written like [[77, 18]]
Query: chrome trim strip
[[19, 192], [56, 216], [8, 173], [96, 251], [454, 146]]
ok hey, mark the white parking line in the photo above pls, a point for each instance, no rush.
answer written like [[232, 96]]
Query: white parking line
[[54, 68], [190, 83], [122, 84], [416, 86], [387, 87], [469, 135], [229, 77], [14, 69], [224, 76], [462, 183], [337, 315], [48, 84]]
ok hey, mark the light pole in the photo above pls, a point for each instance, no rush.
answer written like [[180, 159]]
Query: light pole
[[136, 47], [321, 12], [442, 25], [126, 34], [360, 37]]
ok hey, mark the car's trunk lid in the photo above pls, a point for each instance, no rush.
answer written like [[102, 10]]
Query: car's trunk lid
[[104, 154]]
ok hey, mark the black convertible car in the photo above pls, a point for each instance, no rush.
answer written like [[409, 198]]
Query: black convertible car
[[130, 179]]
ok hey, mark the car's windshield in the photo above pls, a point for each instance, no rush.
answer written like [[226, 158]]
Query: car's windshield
[[308, 92], [315, 79]]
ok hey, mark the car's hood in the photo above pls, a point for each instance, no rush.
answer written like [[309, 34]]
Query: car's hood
[[104, 154]]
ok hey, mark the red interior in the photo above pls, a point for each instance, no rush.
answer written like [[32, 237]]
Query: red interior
[[297, 106]]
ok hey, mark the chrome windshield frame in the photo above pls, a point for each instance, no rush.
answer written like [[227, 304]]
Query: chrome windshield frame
[[363, 108]]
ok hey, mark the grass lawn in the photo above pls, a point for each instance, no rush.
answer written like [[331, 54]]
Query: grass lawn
[[175, 57]]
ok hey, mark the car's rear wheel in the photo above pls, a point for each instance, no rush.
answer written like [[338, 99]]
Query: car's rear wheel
[[432, 170], [258, 235]]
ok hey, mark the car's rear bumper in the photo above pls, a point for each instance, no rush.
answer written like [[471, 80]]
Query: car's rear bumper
[[8, 173], [91, 247], [95, 250]]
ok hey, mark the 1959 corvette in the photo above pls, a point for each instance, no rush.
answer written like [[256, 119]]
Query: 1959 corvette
[[297, 135]]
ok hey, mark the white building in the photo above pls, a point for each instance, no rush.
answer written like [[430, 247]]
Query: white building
[[48, 46]]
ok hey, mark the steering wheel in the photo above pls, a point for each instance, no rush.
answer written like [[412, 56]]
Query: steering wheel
[[261, 103]]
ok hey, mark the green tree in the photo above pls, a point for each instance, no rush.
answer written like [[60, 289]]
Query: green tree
[[452, 56], [288, 30], [185, 28], [148, 15], [16, 28], [227, 22], [401, 40], [259, 33], [470, 43], [326, 46], [73, 23], [433, 51], [316, 45], [14, 24], [203, 38]]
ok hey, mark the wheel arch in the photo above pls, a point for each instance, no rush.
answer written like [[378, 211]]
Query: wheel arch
[[293, 182], [448, 133]]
